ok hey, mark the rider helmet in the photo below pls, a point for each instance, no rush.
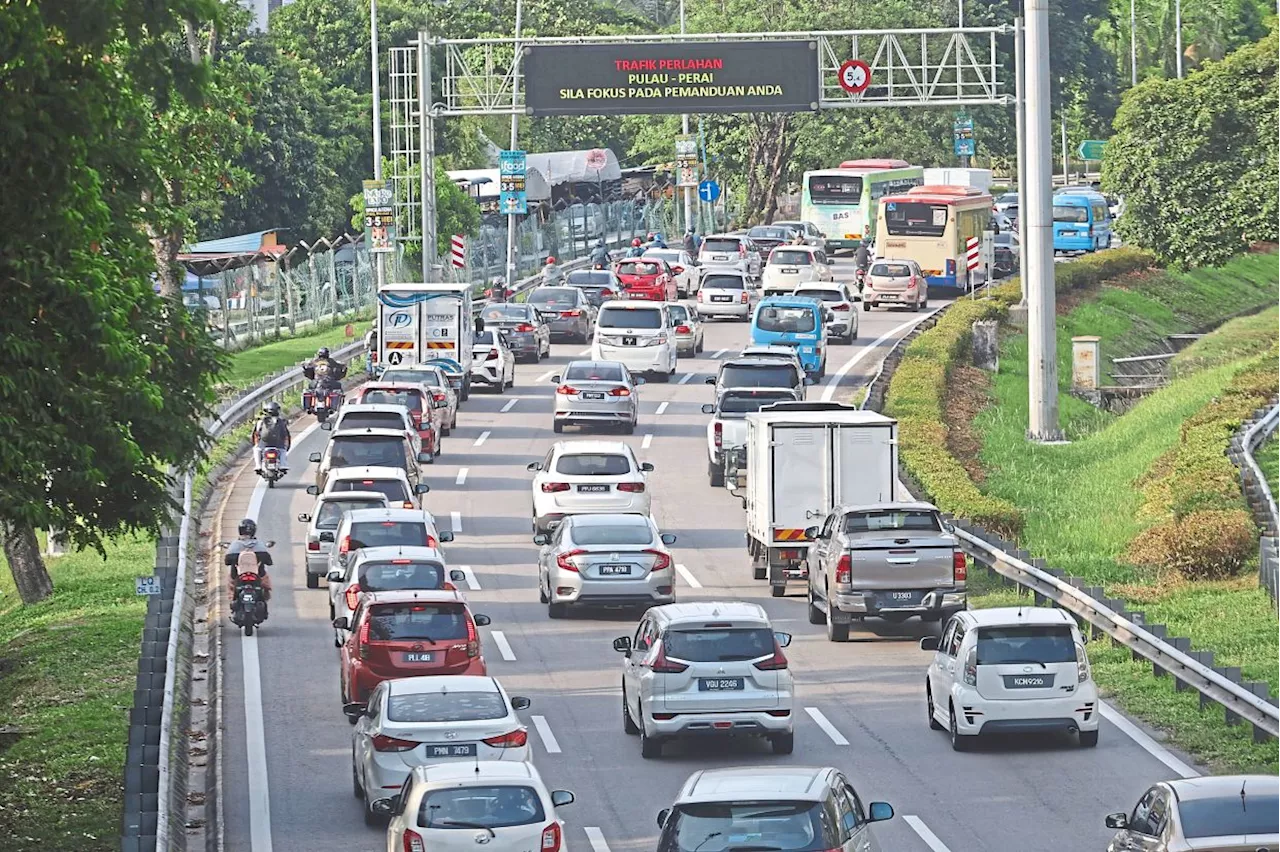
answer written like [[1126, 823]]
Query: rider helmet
[[248, 528], [550, 260], [636, 242], [322, 352]]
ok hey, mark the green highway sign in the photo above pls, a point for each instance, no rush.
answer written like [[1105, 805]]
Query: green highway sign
[[1091, 149]]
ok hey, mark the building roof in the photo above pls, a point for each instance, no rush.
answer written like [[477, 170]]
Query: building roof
[[239, 244]]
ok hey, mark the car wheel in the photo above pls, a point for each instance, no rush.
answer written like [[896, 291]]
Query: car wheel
[[783, 743], [370, 818], [837, 632], [701, 345], [934, 724], [853, 335], [778, 591], [866, 306], [959, 741], [556, 610], [357, 789], [557, 427], [925, 304], [542, 595], [1089, 739], [629, 428], [816, 615], [628, 724], [313, 580], [715, 474], [650, 747]]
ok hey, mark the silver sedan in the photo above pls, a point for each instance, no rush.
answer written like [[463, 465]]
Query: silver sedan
[[602, 392], [605, 561]]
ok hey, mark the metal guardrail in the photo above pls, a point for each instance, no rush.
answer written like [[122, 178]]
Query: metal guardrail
[[1257, 492], [1255, 436]]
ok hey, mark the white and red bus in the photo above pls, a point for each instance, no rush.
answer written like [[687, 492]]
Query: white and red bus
[[931, 225]]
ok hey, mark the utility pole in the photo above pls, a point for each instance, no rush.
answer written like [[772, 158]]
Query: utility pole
[[1133, 42], [380, 263], [1020, 113], [1177, 33], [1062, 113], [1038, 231], [515, 129], [427, 133], [684, 129]]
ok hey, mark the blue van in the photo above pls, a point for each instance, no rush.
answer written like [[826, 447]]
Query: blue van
[[1081, 221], [797, 322]]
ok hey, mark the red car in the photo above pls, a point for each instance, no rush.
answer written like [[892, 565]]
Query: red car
[[422, 408], [407, 634], [646, 278]]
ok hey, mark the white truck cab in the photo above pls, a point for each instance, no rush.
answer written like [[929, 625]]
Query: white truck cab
[[427, 324]]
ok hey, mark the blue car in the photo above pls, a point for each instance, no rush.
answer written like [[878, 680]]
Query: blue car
[[796, 322], [1081, 221]]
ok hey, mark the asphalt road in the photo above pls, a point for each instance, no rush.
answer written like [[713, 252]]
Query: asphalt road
[[860, 706]]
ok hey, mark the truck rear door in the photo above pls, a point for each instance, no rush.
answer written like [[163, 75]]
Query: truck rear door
[[440, 328], [398, 336], [799, 456], [866, 468], [896, 549]]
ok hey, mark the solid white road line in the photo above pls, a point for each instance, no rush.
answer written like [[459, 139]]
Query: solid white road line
[[684, 380], [472, 582], [510, 405], [719, 352], [455, 522], [596, 838], [504, 647], [647, 442], [834, 382], [931, 840], [462, 475], [545, 376], [484, 436], [544, 731], [826, 726], [256, 748], [687, 576], [662, 408], [1149, 745]]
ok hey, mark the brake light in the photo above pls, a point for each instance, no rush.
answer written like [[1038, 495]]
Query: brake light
[[408, 504], [774, 663], [567, 390], [385, 743], [677, 269], [524, 326], [959, 567], [439, 397], [516, 739], [313, 545], [364, 640], [551, 838], [413, 841], [620, 392], [844, 569], [473, 639], [574, 313], [493, 355], [352, 596], [971, 667], [719, 434], [662, 664], [682, 329], [345, 547], [248, 578], [553, 487], [606, 292], [745, 298], [631, 487], [1082, 664], [843, 306], [271, 455], [661, 561], [563, 560]]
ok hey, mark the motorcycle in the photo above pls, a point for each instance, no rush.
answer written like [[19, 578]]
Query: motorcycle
[[861, 278], [271, 471], [322, 402], [249, 607]]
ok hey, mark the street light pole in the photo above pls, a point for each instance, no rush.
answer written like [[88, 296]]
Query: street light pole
[[1020, 121], [380, 265], [1177, 27], [1062, 112], [1133, 41], [684, 129], [515, 129]]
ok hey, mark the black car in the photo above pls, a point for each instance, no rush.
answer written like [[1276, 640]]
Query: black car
[[769, 237], [598, 285]]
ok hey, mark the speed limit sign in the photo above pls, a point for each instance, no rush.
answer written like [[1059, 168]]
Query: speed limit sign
[[855, 76]]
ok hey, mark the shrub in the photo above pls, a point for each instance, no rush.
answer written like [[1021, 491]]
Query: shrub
[[1091, 270], [1203, 545]]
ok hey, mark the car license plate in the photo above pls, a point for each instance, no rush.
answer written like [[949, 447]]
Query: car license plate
[[593, 489], [719, 684], [628, 341], [888, 297], [906, 598], [614, 570], [418, 657], [452, 750], [786, 270], [1029, 681], [722, 298], [592, 395], [719, 257]]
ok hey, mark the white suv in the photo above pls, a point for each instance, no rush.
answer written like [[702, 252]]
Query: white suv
[[1010, 670], [637, 334], [588, 477], [710, 668]]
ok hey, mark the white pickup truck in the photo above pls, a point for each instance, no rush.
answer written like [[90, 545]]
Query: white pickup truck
[[728, 426]]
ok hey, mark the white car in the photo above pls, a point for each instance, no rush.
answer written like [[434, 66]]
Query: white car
[[790, 266], [712, 668], [637, 334], [812, 236], [418, 721], [843, 305], [685, 268], [507, 800], [736, 252], [382, 528], [1010, 670], [389, 481], [585, 477], [370, 448], [373, 415], [492, 361], [727, 428], [323, 520], [727, 293], [387, 569]]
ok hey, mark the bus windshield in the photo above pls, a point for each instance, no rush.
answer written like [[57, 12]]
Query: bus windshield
[[914, 219], [835, 189]]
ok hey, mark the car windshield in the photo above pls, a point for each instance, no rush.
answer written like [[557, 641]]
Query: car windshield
[[760, 375], [594, 464], [506, 312], [371, 420], [719, 644], [554, 296], [1066, 213], [417, 621], [331, 511], [726, 826], [720, 245], [723, 282], [914, 521], [590, 278], [430, 378], [396, 574], [783, 320], [746, 402], [891, 270], [1039, 643], [367, 451], [384, 533], [612, 534], [678, 313], [446, 707], [1252, 813], [790, 257], [593, 373], [410, 399], [646, 318], [393, 489], [822, 295], [464, 808], [639, 267]]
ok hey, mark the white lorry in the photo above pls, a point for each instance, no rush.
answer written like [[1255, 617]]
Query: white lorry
[[976, 178], [803, 458], [427, 324]]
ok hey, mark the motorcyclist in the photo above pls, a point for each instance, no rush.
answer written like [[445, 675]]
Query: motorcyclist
[[600, 255], [797, 239], [656, 241], [862, 256], [272, 430], [636, 249], [550, 272], [691, 243], [324, 371], [248, 542]]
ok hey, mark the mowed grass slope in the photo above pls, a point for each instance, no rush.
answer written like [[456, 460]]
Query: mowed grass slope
[[251, 366]]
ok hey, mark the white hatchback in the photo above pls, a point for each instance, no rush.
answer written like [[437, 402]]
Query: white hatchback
[[324, 519], [638, 335], [790, 266], [588, 477], [843, 305]]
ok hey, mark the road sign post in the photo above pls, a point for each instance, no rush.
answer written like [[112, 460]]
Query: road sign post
[[709, 191]]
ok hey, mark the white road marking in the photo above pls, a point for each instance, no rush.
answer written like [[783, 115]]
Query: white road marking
[[931, 840], [719, 352], [684, 380], [545, 376], [826, 726], [462, 475], [1149, 745], [455, 522], [510, 405], [255, 747], [504, 647], [687, 576], [596, 838], [662, 408], [834, 382], [544, 731], [472, 582], [484, 436], [647, 442]]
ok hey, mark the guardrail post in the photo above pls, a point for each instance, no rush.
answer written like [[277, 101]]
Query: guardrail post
[[1205, 658]]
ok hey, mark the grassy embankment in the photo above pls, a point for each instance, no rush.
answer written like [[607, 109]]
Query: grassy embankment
[[1083, 506]]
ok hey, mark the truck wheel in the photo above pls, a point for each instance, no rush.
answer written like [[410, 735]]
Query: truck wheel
[[313, 580], [837, 632], [778, 591], [716, 475], [759, 568], [816, 616]]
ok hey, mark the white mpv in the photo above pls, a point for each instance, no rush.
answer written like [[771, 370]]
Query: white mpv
[[1010, 670], [637, 334]]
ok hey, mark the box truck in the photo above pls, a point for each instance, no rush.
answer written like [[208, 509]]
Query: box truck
[[427, 324]]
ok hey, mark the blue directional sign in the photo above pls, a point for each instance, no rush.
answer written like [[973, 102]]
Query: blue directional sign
[[708, 190], [511, 188]]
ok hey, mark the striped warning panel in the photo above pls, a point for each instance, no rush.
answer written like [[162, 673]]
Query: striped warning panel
[[399, 344], [438, 344], [458, 251], [788, 535], [971, 253]]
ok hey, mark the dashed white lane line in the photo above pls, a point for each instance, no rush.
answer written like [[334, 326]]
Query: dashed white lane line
[[596, 838], [504, 647], [455, 522], [510, 405], [826, 726], [684, 380], [662, 408], [462, 475], [647, 442], [585, 353], [544, 731], [719, 352], [484, 436], [931, 840], [834, 382], [545, 376], [1149, 745], [472, 582], [687, 576]]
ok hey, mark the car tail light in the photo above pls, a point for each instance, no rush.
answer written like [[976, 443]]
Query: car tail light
[[718, 434], [553, 487], [563, 560], [551, 838], [385, 743], [473, 638], [661, 561], [844, 569], [843, 306], [971, 667], [364, 640], [569, 314], [516, 739], [702, 296], [631, 487], [1082, 664], [677, 269], [774, 663], [413, 841], [959, 567], [313, 545], [745, 298], [493, 355], [524, 326], [432, 541], [352, 596], [439, 397], [620, 391], [604, 294], [567, 390], [408, 504], [682, 329], [663, 665], [345, 546]]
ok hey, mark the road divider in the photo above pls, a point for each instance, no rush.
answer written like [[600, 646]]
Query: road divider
[[825, 724], [544, 732], [504, 647], [687, 576]]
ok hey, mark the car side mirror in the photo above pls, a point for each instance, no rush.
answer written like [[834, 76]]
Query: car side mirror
[[342, 623], [446, 535], [711, 380], [423, 458], [639, 380], [929, 643], [784, 639], [541, 538], [327, 536], [662, 817], [708, 408], [457, 576], [560, 798], [383, 807], [421, 488], [879, 812], [668, 538], [811, 533], [303, 517], [327, 426], [354, 710], [810, 381], [1118, 821], [555, 380], [334, 576], [534, 467], [314, 458], [482, 620], [313, 490], [519, 702], [622, 644], [646, 467]]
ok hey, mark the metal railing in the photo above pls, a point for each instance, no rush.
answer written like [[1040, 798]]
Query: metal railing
[[1257, 492]]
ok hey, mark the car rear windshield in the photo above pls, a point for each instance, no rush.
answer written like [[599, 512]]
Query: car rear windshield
[[484, 338], [506, 312], [593, 373], [678, 313], [762, 375], [590, 278], [430, 378], [394, 575], [417, 621], [367, 451], [720, 244], [1039, 643], [445, 707], [779, 235], [912, 521], [464, 808], [410, 399], [718, 644], [331, 511], [646, 318], [393, 489], [745, 402], [783, 320], [835, 189], [639, 267], [554, 296], [372, 420], [754, 826], [1067, 213], [915, 219], [789, 257], [1252, 813], [891, 270], [594, 464], [386, 533], [612, 534], [823, 295], [723, 282]]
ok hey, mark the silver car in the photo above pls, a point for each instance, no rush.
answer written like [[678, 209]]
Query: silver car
[[597, 392], [605, 560], [527, 332], [687, 326], [1190, 814], [323, 520], [568, 312]]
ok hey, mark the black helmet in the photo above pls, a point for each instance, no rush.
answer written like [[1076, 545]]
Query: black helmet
[[248, 528], [272, 409], [322, 352]]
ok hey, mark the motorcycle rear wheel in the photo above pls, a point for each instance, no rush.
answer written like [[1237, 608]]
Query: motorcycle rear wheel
[[248, 628]]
